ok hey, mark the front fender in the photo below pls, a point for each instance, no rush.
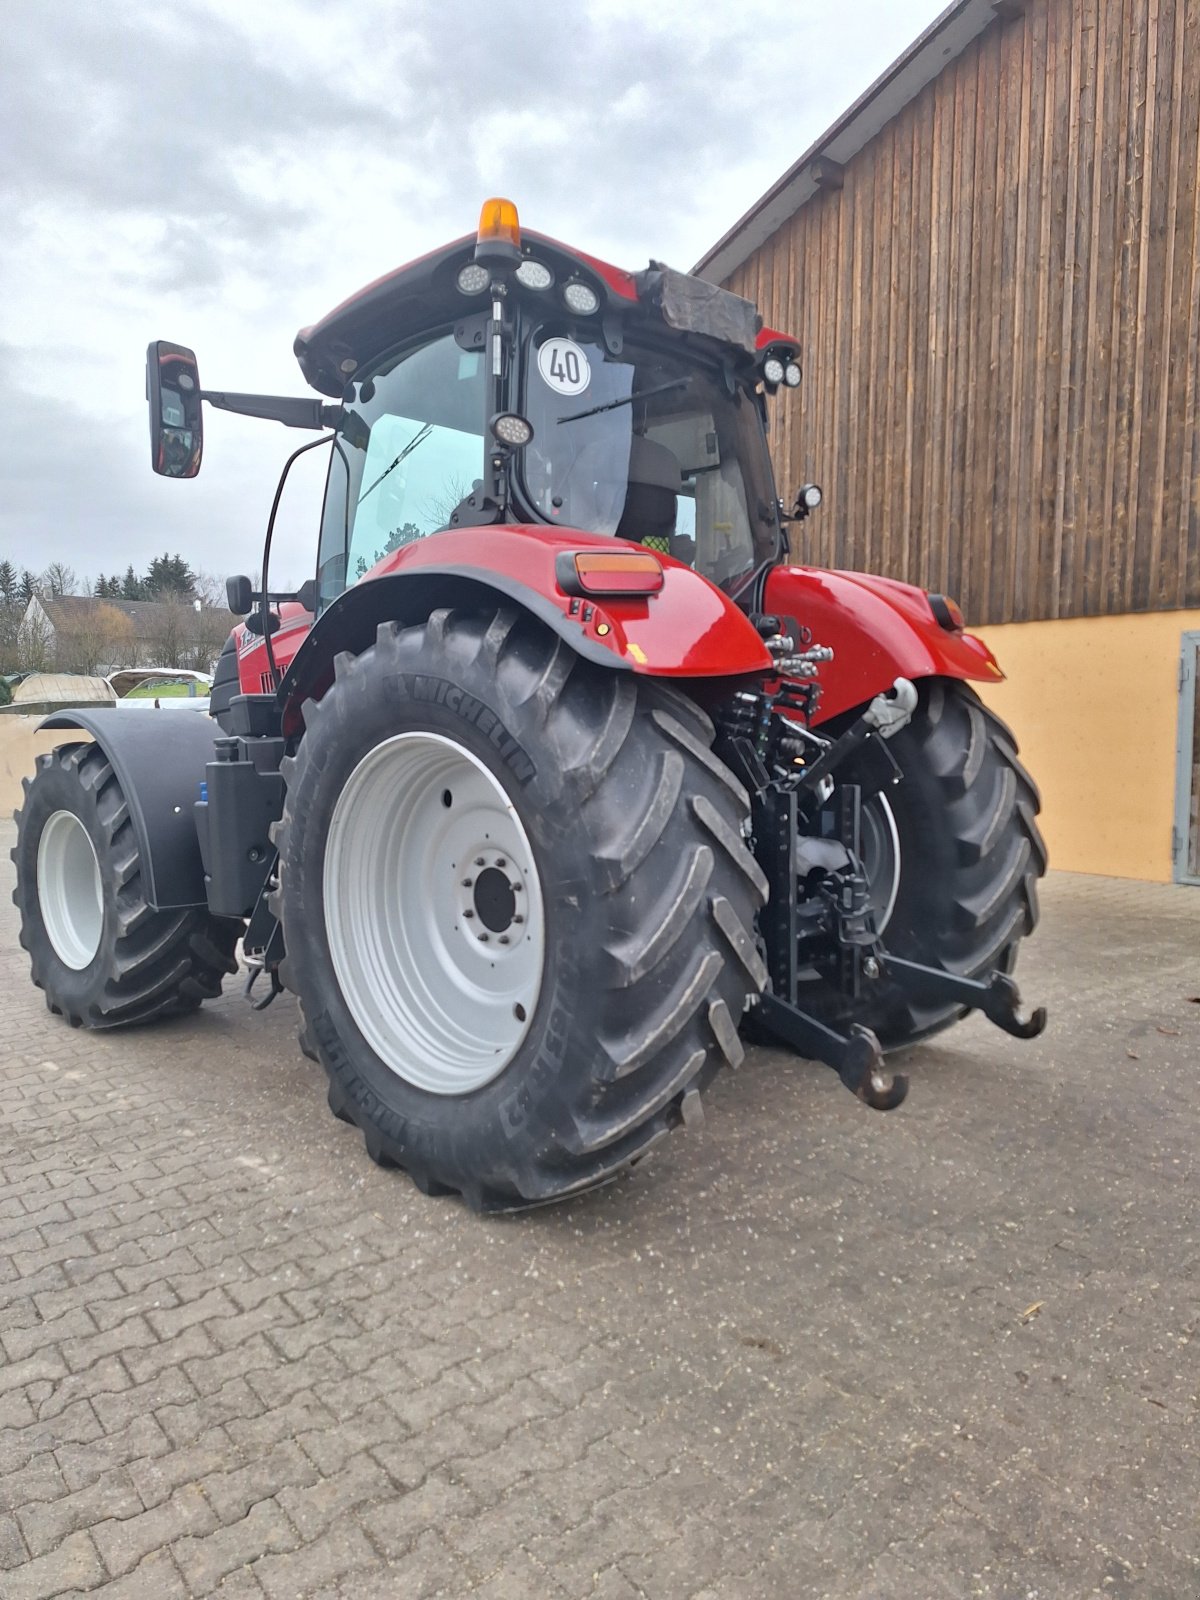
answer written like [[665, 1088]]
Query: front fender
[[159, 762], [690, 629], [878, 629]]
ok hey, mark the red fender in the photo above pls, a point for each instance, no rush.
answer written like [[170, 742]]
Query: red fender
[[878, 630], [689, 629]]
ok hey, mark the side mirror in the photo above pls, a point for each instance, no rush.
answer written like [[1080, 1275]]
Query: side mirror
[[176, 425], [239, 595]]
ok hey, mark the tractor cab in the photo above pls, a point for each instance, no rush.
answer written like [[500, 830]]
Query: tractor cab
[[508, 379]]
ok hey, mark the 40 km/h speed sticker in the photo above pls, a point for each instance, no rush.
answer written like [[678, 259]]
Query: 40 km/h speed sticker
[[564, 367]]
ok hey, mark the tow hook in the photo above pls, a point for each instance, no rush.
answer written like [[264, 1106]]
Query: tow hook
[[997, 996], [856, 1056], [252, 977]]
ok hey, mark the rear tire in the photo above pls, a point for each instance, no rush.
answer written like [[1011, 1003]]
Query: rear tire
[[970, 856], [103, 956], [600, 796]]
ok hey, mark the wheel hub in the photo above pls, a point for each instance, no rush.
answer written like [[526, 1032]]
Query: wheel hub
[[494, 897]]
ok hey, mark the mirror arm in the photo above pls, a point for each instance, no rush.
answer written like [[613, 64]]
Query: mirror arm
[[276, 408]]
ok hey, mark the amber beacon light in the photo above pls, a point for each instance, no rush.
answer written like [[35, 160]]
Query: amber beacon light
[[499, 230]]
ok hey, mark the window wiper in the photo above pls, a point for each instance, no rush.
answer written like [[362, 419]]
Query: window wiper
[[627, 400], [418, 438]]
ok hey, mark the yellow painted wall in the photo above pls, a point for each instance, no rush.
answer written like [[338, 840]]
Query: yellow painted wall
[[20, 744], [1094, 704]]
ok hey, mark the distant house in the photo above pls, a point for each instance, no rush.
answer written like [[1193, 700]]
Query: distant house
[[75, 633]]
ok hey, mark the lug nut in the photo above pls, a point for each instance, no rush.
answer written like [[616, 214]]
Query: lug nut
[[467, 882], [468, 913], [503, 938], [501, 862], [479, 861], [517, 917], [483, 938]]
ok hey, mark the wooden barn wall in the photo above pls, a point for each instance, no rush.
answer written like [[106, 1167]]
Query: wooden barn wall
[[999, 315]]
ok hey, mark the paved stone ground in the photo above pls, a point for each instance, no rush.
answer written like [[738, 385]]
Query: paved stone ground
[[796, 1354]]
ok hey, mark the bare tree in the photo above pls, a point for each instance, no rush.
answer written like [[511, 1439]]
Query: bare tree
[[35, 640], [209, 590], [169, 631], [209, 633], [59, 579], [100, 636]]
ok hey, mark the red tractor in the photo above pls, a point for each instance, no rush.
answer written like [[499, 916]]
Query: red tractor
[[558, 777]]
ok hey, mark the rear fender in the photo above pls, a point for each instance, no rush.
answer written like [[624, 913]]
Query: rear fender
[[159, 761], [879, 630], [689, 630]]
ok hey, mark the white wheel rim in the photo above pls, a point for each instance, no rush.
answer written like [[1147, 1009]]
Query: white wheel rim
[[881, 858], [433, 913], [70, 893]]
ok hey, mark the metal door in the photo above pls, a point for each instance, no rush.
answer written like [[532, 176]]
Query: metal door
[[1185, 835]]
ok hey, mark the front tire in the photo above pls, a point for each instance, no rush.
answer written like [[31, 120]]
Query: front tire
[[455, 772], [104, 957]]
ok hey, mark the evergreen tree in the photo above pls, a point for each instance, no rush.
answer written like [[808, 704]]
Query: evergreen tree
[[131, 586], [99, 588], [8, 582], [27, 587], [167, 575]]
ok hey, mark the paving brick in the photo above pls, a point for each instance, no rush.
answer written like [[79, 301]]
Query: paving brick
[[232, 1490], [155, 1578], [157, 1477], [335, 1558], [206, 1561], [45, 1524], [26, 1341], [123, 1544], [396, 1524], [17, 1374], [13, 1549], [73, 1565], [135, 1438], [320, 1506], [214, 1303]]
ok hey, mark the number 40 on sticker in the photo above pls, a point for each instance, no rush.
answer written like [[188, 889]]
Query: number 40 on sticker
[[563, 366]]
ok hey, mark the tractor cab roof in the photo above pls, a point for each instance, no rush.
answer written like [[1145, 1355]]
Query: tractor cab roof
[[426, 293]]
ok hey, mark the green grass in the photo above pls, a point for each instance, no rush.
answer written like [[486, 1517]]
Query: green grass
[[161, 691]]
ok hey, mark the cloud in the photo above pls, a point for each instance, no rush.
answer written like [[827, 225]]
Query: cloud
[[225, 173]]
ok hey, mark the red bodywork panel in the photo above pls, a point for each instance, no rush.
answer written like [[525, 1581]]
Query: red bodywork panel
[[689, 629], [253, 671], [878, 629]]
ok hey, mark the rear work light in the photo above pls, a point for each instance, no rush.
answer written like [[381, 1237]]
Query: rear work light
[[608, 572], [947, 613]]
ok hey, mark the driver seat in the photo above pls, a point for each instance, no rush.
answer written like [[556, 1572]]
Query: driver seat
[[654, 481]]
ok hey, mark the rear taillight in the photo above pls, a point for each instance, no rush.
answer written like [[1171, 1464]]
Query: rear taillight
[[947, 613], [609, 572]]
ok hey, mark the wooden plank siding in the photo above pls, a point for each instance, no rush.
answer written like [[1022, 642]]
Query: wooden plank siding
[[999, 319]]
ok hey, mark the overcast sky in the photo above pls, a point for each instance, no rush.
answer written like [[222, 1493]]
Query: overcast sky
[[224, 173]]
